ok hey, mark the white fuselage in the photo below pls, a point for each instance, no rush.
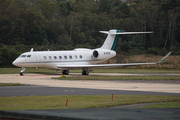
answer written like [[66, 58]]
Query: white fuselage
[[80, 58], [51, 59]]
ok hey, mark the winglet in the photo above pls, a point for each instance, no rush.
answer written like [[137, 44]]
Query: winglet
[[161, 60]]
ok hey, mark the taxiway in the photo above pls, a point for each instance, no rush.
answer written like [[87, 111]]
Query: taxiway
[[43, 84], [46, 80]]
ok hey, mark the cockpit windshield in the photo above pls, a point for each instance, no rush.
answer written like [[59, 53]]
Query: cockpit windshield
[[23, 56]]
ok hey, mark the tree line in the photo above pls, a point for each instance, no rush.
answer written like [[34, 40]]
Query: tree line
[[69, 24]]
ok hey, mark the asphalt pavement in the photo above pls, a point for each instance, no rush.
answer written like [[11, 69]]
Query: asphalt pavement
[[47, 91], [44, 86], [94, 114]]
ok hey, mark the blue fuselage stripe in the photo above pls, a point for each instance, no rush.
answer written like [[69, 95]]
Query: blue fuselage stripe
[[115, 40]]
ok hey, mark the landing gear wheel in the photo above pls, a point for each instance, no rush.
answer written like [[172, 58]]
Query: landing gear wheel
[[85, 72], [65, 72], [22, 73]]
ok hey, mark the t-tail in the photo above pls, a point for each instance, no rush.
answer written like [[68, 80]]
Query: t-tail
[[111, 40]]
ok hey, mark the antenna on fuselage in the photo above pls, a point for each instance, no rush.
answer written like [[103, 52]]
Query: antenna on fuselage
[[31, 49]]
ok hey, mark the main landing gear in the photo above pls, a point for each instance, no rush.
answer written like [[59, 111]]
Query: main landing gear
[[86, 71], [65, 72], [22, 71]]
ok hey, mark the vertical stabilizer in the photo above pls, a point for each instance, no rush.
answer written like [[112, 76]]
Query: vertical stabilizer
[[111, 40]]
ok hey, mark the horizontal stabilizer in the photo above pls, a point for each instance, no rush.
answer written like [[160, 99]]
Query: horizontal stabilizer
[[123, 33], [126, 33], [106, 32]]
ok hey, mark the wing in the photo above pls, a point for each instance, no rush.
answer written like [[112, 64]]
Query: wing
[[102, 65], [110, 65]]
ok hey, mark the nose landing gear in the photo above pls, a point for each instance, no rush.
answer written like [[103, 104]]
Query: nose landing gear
[[22, 71]]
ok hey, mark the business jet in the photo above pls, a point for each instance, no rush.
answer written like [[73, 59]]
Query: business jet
[[80, 58]]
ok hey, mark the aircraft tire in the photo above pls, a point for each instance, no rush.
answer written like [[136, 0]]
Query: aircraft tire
[[85, 72], [22, 73], [65, 72]]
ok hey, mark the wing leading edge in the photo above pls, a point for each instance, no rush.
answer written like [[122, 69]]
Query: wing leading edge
[[111, 65]]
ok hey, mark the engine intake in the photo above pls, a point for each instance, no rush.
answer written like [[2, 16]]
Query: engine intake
[[95, 54], [102, 54]]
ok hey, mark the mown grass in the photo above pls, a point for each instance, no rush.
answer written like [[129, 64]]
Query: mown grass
[[120, 70], [118, 78], [10, 84], [80, 101], [28, 70]]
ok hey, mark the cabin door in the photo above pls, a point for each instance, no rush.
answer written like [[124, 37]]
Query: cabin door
[[37, 60]]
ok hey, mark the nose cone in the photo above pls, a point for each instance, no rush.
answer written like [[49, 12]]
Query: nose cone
[[16, 63]]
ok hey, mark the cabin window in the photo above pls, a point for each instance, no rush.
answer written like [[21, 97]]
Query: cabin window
[[44, 57], [29, 56], [65, 57], [70, 57], [55, 57], [23, 56], [80, 56], [60, 57], [50, 57], [75, 56]]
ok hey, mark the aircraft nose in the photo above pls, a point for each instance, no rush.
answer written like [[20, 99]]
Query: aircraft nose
[[15, 63]]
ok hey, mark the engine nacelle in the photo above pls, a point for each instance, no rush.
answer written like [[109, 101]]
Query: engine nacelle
[[95, 54], [103, 54]]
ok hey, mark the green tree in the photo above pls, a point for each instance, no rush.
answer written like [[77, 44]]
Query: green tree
[[92, 41], [64, 40], [124, 8], [125, 46], [7, 56], [80, 8], [104, 6], [54, 28], [136, 43]]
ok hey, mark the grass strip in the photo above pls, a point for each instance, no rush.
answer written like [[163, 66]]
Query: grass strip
[[120, 70], [10, 84], [118, 78], [80, 101]]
